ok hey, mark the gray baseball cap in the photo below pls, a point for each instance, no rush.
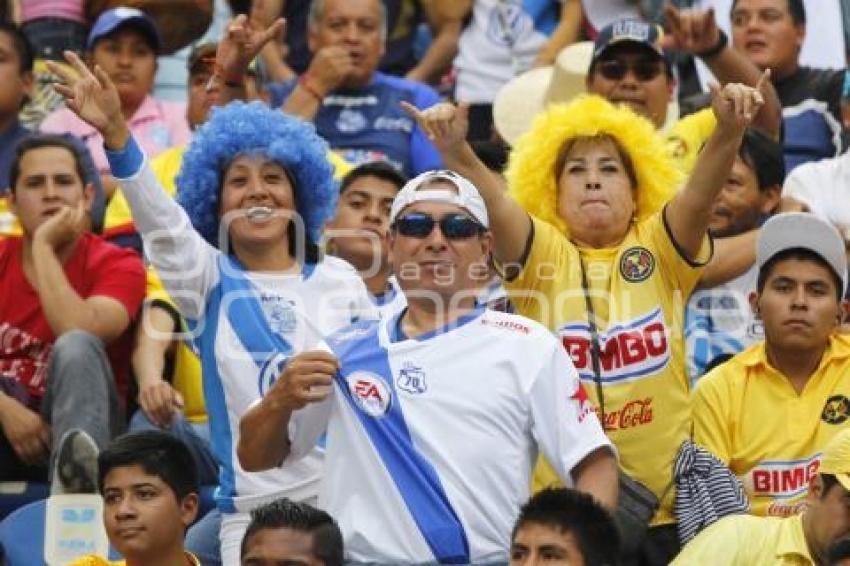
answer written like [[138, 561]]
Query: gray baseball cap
[[803, 230]]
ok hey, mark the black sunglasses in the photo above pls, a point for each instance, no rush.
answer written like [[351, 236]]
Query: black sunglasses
[[453, 226], [614, 69]]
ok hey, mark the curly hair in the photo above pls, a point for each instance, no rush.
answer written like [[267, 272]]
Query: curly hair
[[245, 128], [533, 180]]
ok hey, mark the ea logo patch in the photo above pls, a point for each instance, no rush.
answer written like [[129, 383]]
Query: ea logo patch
[[370, 392], [836, 410], [636, 264], [270, 371]]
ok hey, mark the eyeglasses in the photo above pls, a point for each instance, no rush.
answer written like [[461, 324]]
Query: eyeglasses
[[643, 69], [453, 226]]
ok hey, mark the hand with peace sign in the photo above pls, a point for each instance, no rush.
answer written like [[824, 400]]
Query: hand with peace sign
[[92, 96], [244, 37]]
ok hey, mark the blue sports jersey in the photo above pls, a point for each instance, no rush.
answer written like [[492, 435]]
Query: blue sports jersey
[[369, 124]]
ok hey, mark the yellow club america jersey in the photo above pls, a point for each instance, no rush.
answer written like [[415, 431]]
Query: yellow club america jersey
[[687, 136], [750, 416], [638, 291]]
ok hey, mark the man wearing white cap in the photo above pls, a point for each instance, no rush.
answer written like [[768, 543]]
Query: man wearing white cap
[[769, 411], [805, 539], [434, 416]]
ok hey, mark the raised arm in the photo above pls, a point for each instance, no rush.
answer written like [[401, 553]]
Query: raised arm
[[274, 53], [566, 32], [733, 256], [695, 31], [688, 213], [445, 29], [446, 126], [244, 38], [184, 260]]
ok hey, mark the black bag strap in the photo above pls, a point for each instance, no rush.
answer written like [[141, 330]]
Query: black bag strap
[[596, 355]]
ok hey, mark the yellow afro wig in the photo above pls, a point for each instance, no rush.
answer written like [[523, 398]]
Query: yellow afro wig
[[531, 169]]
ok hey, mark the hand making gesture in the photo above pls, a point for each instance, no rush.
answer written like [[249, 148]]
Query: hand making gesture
[[735, 105], [92, 96], [243, 39]]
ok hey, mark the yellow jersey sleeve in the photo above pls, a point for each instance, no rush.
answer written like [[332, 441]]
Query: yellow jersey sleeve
[[531, 289], [687, 136], [340, 165], [9, 225], [681, 272], [93, 560], [712, 413], [723, 543]]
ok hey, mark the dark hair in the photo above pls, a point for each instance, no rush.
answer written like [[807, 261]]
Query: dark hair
[[38, 141], [764, 157], [379, 169], [802, 254], [828, 481], [286, 514], [568, 510], [202, 58], [839, 551], [22, 46], [492, 153], [158, 454], [796, 9]]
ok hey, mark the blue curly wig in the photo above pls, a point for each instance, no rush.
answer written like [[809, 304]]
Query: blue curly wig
[[240, 128]]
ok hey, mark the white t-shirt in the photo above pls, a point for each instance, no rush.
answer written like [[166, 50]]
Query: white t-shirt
[[467, 408], [501, 41], [823, 186], [301, 309]]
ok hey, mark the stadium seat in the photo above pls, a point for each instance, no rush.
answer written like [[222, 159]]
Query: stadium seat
[[15, 494], [19, 546]]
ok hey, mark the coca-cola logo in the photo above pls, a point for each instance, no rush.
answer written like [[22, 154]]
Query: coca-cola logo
[[633, 414]]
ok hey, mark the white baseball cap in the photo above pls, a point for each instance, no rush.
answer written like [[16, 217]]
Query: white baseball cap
[[792, 230], [467, 195]]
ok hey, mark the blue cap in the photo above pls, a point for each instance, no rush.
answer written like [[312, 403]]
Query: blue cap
[[111, 20], [629, 31]]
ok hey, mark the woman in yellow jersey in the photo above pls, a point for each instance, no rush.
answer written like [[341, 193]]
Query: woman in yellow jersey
[[598, 244]]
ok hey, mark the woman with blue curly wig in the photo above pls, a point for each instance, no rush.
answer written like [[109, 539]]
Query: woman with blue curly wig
[[600, 244], [240, 257]]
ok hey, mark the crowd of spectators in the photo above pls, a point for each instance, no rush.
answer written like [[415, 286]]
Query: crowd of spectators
[[426, 281]]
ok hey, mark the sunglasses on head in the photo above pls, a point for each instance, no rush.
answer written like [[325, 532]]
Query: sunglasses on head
[[453, 226], [643, 69]]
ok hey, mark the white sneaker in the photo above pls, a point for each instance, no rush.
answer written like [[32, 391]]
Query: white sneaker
[[75, 469]]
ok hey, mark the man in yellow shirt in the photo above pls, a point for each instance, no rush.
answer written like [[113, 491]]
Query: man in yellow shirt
[[629, 66], [769, 411], [149, 486], [800, 540]]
